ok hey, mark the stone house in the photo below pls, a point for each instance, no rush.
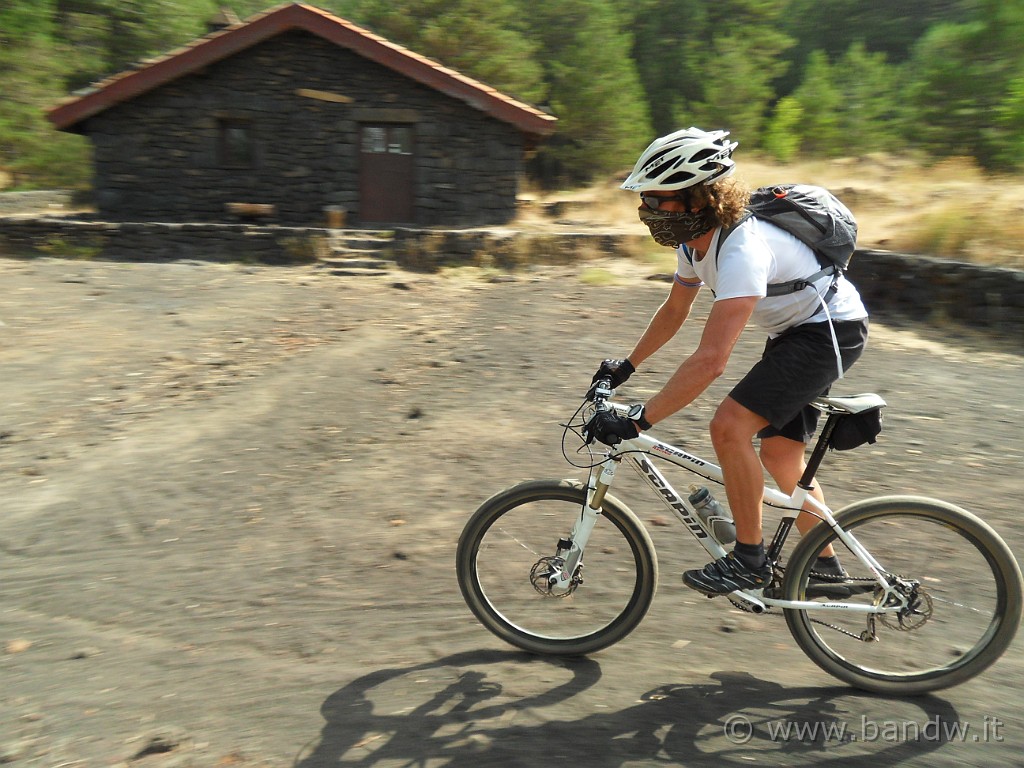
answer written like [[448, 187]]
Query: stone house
[[297, 115]]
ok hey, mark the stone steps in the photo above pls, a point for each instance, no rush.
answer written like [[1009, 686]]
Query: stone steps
[[358, 252]]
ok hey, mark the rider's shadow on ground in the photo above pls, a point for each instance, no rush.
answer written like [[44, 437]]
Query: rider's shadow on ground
[[483, 709]]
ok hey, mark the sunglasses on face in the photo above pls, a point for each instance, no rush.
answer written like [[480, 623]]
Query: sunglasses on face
[[654, 202]]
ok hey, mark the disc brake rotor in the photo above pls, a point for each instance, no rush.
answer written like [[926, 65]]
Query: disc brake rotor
[[916, 613], [550, 578]]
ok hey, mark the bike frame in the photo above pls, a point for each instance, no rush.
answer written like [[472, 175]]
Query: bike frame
[[637, 453]]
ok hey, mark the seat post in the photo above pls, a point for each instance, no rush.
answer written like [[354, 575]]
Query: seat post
[[818, 453], [774, 550]]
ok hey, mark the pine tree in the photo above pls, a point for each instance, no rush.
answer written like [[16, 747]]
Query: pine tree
[[963, 76], [594, 89], [889, 27], [1009, 121], [710, 64], [782, 135], [738, 90], [869, 111], [669, 49], [820, 102], [108, 36], [478, 37], [32, 70]]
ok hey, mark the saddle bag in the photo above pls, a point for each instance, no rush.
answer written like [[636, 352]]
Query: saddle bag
[[855, 429]]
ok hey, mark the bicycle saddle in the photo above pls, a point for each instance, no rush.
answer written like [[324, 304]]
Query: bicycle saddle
[[851, 404]]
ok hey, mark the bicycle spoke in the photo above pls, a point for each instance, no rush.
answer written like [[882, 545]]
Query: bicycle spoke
[[530, 592], [937, 558], [958, 598], [508, 553]]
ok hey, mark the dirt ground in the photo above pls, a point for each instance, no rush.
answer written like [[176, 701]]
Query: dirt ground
[[231, 496]]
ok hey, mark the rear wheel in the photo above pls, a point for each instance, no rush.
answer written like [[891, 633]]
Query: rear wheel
[[958, 582], [509, 567]]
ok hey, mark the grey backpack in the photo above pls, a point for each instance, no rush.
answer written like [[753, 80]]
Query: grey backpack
[[815, 217]]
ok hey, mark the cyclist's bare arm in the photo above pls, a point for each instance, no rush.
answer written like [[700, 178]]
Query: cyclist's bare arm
[[666, 322], [726, 322]]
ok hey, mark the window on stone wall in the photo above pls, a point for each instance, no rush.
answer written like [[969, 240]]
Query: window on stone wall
[[375, 139], [387, 139], [400, 140], [235, 145]]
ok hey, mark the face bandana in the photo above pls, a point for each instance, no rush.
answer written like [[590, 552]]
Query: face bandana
[[674, 229]]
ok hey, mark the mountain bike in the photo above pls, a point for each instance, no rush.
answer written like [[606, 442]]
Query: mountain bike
[[562, 567]]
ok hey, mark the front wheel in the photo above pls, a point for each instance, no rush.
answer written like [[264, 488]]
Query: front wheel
[[509, 548], [959, 586]]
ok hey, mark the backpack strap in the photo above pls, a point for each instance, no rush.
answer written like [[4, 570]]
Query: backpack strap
[[688, 254], [729, 230], [791, 286]]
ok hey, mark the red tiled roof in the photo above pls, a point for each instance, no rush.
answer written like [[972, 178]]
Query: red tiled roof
[[231, 40]]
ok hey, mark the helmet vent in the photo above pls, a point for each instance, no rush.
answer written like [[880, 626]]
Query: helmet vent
[[679, 178]]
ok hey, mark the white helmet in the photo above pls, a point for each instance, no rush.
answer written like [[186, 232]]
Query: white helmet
[[683, 159]]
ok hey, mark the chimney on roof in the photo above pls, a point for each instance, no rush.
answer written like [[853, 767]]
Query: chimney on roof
[[225, 17]]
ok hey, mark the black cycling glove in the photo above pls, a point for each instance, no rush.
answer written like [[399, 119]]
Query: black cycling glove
[[609, 428], [616, 370]]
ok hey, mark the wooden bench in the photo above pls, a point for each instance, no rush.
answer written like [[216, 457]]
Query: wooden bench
[[251, 210]]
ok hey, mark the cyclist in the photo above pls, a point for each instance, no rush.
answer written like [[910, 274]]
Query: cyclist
[[687, 199]]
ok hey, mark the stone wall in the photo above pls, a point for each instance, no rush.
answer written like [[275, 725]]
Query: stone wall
[[916, 287], [940, 290], [158, 157], [509, 249], [43, 200], [165, 241]]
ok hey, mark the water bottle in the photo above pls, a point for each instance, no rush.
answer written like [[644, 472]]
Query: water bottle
[[716, 520]]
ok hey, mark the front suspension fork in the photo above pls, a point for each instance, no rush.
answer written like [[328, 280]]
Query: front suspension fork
[[571, 549]]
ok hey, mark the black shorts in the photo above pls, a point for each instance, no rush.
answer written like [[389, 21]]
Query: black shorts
[[796, 367]]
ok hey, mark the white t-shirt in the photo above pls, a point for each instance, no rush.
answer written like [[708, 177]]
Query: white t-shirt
[[758, 253]]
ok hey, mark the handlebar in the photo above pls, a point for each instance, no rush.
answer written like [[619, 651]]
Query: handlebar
[[600, 392]]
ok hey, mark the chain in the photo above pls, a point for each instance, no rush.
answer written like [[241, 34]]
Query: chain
[[866, 636], [826, 576], [870, 632]]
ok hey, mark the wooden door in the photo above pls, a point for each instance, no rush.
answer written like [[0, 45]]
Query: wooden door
[[386, 174]]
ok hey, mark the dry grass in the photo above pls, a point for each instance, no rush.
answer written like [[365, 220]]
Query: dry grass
[[598, 276], [947, 209]]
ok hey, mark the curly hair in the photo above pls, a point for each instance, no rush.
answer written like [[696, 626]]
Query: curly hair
[[727, 200]]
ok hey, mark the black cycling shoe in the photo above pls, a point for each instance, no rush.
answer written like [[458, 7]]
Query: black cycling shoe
[[727, 574]]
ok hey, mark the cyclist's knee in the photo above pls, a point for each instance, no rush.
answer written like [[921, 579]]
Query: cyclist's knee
[[733, 424]]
